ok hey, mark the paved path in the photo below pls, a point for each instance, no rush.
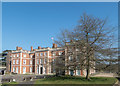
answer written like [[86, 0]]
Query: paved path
[[118, 82], [105, 75]]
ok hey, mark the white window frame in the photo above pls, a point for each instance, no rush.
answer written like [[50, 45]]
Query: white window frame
[[37, 54], [78, 71], [30, 61], [54, 54], [41, 60], [41, 54], [17, 55], [60, 53], [13, 69], [13, 55], [45, 54], [16, 69], [70, 58], [31, 56], [37, 61], [24, 61], [30, 69], [13, 61], [24, 55], [24, 70], [17, 61]]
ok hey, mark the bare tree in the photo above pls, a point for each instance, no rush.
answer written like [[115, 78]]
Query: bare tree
[[94, 40]]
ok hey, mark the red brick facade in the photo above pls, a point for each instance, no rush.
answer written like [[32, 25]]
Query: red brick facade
[[36, 61]]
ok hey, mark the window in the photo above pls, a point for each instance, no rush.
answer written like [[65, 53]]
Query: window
[[54, 54], [70, 49], [70, 58], [16, 69], [13, 55], [13, 61], [30, 61], [30, 69], [31, 56], [38, 61], [13, 69], [77, 58], [78, 72], [60, 53], [44, 60], [24, 70], [45, 54], [17, 61], [24, 61], [41, 54], [38, 70], [17, 55], [53, 60], [37, 54], [24, 55], [45, 70], [77, 49], [41, 61]]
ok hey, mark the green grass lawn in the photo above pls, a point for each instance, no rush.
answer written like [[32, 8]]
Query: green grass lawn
[[76, 80], [11, 83]]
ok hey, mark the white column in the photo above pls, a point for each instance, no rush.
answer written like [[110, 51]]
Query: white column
[[43, 70]]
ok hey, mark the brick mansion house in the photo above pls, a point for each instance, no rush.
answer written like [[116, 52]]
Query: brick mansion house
[[36, 61]]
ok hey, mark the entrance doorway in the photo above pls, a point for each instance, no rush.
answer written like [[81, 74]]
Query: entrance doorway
[[71, 72], [41, 70]]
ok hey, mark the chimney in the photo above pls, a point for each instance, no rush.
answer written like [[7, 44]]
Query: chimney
[[54, 45], [71, 40], [31, 48], [39, 47], [18, 48]]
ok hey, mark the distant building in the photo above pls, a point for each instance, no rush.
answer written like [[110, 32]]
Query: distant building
[[38, 61], [75, 58]]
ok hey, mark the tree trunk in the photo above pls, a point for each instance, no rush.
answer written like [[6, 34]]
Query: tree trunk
[[88, 59], [88, 73], [88, 67]]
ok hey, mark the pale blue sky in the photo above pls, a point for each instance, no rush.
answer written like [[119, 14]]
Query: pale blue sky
[[27, 24]]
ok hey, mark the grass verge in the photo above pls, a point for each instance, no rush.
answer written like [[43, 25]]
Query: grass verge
[[8, 84], [76, 80]]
